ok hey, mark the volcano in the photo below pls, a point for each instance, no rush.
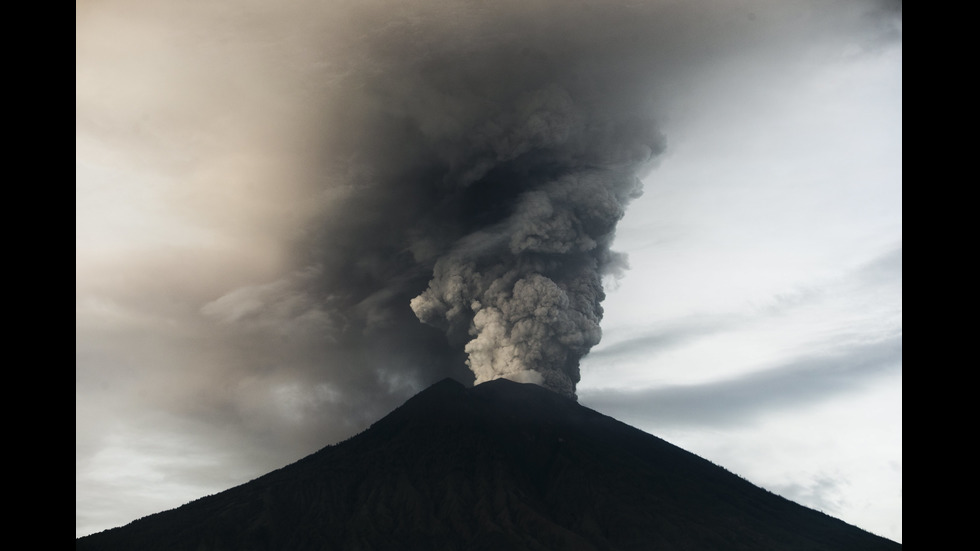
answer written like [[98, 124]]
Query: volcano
[[500, 466]]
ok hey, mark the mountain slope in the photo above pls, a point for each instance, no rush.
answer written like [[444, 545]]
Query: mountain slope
[[499, 466]]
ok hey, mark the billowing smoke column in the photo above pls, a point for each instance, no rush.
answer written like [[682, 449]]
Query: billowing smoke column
[[524, 284], [479, 161], [546, 170], [474, 159]]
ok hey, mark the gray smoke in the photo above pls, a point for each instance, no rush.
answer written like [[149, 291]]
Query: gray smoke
[[526, 290], [491, 153], [466, 165], [476, 159]]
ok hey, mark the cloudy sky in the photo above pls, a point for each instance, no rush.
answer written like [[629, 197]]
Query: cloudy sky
[[268, 199]]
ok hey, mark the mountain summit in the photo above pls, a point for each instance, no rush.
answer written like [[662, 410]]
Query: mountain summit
[[500, 466]]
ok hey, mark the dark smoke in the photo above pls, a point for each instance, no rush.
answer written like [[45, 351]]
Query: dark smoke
[[474, 159], [490, 155]]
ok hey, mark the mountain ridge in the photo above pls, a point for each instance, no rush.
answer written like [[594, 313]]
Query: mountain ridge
[[501, 465]]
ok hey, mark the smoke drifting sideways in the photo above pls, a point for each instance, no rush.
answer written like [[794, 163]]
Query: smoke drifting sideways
[[485, 159], [472, 164]]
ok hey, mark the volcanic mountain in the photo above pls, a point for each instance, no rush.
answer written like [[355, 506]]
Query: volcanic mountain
[[500, 466]]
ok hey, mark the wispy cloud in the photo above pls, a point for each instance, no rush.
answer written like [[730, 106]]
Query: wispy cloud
[[805, 380]]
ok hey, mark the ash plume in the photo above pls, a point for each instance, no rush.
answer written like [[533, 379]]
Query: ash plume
[[477, 159], [526, 290], [467, 165], [492, 155]]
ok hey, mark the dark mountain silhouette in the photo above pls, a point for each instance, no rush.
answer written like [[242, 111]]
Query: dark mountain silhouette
[[501, 466]]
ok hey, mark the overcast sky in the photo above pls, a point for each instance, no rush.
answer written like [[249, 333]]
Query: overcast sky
[[245, 174]]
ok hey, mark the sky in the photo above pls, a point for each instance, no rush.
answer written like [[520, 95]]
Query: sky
[[291, 218]]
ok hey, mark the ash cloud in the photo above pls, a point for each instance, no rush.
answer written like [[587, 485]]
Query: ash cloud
[[475, 160], [488, 166], [524, 288]]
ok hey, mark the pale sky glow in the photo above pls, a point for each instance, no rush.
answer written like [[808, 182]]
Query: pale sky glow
[[759, 324], [751, 249]]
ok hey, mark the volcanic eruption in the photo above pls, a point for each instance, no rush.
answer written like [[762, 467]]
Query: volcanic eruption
[[455, 172], [495, 155]]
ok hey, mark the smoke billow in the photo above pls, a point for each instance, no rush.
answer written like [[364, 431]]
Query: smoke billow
[[476, 159], [486, 158], [526, 289], [471, 162]]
